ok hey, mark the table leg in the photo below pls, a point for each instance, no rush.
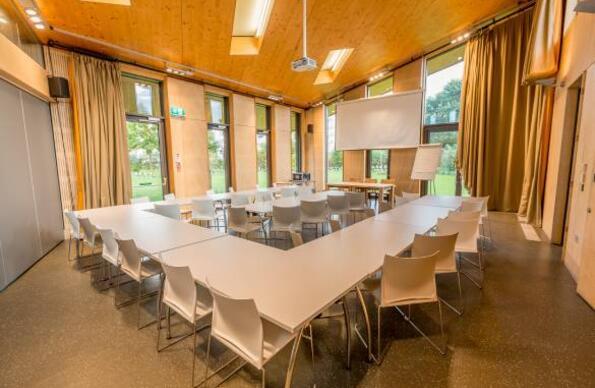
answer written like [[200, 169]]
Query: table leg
[[293, 357]]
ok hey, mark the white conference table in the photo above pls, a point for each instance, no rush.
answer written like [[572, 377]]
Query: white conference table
[[151, 232], [447, 201], [414, 214], [266, 207]]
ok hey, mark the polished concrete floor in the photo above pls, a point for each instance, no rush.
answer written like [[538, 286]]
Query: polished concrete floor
[[526, 328]]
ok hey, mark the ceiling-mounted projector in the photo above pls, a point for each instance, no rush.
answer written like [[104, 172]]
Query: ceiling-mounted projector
[[303, 64]]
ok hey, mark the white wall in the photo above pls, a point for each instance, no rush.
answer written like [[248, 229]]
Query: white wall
[[244, 134], [282, 138]]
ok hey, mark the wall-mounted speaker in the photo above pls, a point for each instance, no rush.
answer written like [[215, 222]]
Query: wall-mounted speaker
[[310, 128], [59, 87]]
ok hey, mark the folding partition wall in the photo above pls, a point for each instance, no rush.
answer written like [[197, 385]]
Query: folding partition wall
[[30, 211]]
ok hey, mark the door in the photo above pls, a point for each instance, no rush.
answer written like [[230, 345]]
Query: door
[[146, 155]]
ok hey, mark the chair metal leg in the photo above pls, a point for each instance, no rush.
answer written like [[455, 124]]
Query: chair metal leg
[[379, 357], [362, 303], [69, 245], [347, 331], [193, 351], [138, 304], [442, 328], [263, 378], [168, 319], [443, 352], [207, 359]]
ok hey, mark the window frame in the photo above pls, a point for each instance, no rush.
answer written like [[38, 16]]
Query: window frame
[[225, 129], [370, 84], [369, 162], [298, 142], [266, 132], [438, 128], [326, 145]]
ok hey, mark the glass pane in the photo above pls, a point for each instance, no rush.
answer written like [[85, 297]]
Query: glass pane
[[217, 109], [141, 97], [334, 168], [262, 117], [379, 164], [443, 87], [144, 153], [295, 142], [262, 159], [217, 162], [446, 177], [381, 87]]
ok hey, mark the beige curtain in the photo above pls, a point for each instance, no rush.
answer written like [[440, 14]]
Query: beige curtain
[[504, 126], [545, 41], [101, 125]]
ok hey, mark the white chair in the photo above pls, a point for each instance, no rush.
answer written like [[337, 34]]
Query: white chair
[[405, 281], [203, 210], [296, 239], [74, 233], [238, 222], [238, 200], [465, 216], [110, 252], [237, 325], [170, 210], [169, 197], [446, 261], [288, 191], [286, 219], [190, 301], [338, 205], [91, 239], [479, 204], [304, 191], [140, 200], [357, 202], [314, 213], [468, 234], [264, 196], [138, 269]]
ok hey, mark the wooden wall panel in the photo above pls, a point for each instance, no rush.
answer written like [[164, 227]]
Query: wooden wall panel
[[282, 141], [408, 77], [188, 138], [244, 133], [314, 156], [401, 163]]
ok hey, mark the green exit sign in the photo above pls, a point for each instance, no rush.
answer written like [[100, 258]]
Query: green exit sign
[[176, 111]]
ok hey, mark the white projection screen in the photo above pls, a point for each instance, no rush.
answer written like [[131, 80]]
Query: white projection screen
[[392, 121]]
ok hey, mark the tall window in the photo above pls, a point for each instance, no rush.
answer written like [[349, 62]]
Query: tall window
[[296, 142], [218, 142], [146, 140], [263, 145], [334, 158], [378, 161], [444, 74]]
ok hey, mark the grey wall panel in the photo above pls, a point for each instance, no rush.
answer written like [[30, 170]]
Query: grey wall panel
[[19, 235], [42, 158]]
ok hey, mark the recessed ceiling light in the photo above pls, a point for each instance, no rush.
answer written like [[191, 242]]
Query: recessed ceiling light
[[31, 11], [332, 65], [250, 21], [3, 20], [35, 19], [39, 26], [275, 97]]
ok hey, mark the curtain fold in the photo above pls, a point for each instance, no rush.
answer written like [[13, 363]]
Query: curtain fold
[[101, 125], [545, 42], [504, 126]]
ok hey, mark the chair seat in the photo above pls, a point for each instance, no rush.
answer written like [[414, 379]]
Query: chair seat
[[274, 339], [111, 260], [466, 248], [358, 209], [204, 306], [203, 217], [150, 268], [247, 228], [373, 286], [314, 220], [286, 228]]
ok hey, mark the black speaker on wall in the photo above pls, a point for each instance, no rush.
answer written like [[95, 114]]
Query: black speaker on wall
[[59, 87], [310, 128]]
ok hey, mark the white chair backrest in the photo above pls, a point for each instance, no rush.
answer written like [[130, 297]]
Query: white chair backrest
[[305, 191], [407, 278], [75, 226], [110, 251], [264, 196], [237, 217], [468, 232], [286, 216], [337, 203], [296, 239], [239, 199], [130, 258], [169, 197], [140, 200], [89, 231], [424, 245], [409, 196], [475, 205], [203, 207], [464, 216], [237, 322], [170, 210], [356, 199], [180, 289], [314, 209], [288, 191]]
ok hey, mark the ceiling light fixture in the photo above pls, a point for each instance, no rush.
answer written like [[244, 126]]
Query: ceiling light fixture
[[180, 72], [35, 19], [39, 26], [460, 38], [275, 97], [377, 76], [3, 20], [31, 11]]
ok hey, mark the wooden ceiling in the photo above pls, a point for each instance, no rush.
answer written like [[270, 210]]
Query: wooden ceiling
[[197, 33]]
